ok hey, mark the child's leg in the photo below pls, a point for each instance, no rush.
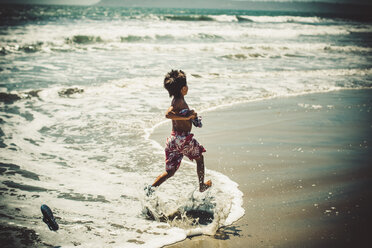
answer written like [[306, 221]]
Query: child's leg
[[172, 162], [200, 170], [163, 177]]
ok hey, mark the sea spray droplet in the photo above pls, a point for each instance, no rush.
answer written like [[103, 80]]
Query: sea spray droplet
[[195, 212], [196, 209]]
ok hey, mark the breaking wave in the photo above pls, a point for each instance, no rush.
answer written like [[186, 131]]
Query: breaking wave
[[169, 42], [189, 18], [84, 39]]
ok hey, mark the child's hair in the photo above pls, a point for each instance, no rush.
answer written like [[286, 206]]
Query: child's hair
[[174, 81]]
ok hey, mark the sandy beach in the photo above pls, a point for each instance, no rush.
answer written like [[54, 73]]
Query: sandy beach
[[303, 164]]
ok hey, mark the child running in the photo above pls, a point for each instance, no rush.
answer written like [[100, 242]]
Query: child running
[[181, 141]]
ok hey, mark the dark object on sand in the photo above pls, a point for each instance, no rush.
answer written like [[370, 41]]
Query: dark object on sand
[[48, 218], [8, 97]]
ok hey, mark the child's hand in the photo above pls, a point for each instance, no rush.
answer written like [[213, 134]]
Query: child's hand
[[193, 114]]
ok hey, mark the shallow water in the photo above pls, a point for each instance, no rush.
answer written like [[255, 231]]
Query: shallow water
[[82, 91]]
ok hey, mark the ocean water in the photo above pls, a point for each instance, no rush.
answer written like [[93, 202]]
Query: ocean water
[[81, 91]]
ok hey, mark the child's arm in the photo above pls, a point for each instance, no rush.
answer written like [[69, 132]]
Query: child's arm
[[174, 115]]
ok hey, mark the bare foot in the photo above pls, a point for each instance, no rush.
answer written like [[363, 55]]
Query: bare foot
[[205, 186]]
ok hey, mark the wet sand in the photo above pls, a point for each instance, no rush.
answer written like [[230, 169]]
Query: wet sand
[[303, 164]]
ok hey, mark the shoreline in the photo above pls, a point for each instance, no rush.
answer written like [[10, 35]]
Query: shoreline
[[273, 157]]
